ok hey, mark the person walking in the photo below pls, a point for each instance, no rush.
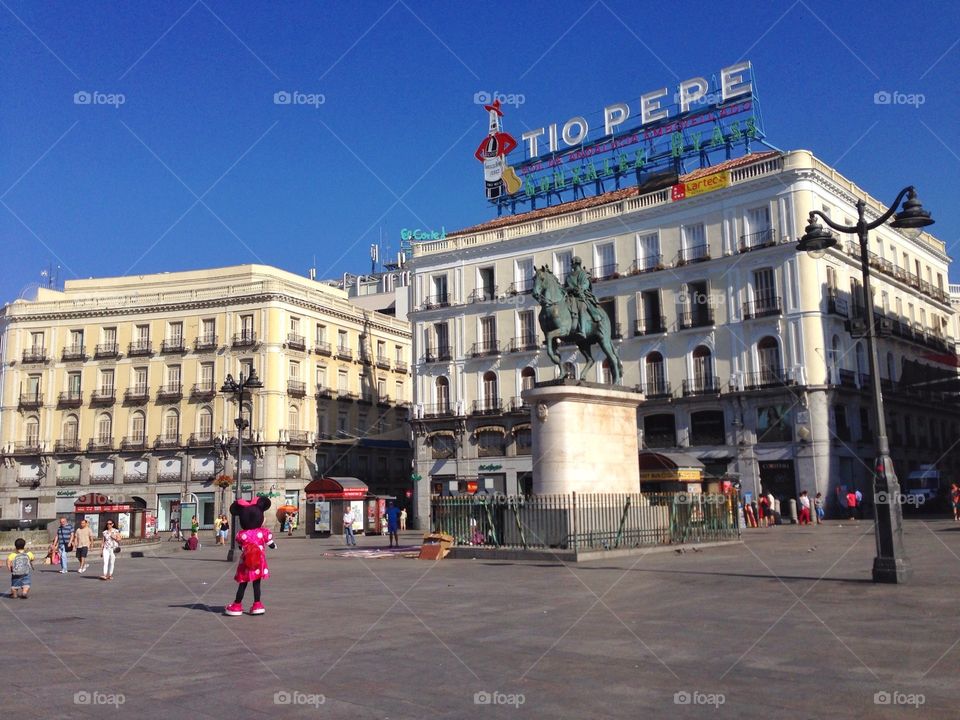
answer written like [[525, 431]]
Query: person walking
[[82, 540], [804, 508], [216, 529], [818, 506], [174, 529], [194, 524], [763, 511], [393, 523], [20, 564], [109, 548], [955, 501], [348, 535], [224, 529], [859, 496], [64, 533], [852, 504], [403, 519]]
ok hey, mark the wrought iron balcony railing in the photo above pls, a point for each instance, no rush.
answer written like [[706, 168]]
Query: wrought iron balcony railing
[[605, 272], [203, 390], [519, 287], [762, 307], [771, 377], [107, 350], [296, 342], [296, 388], [35, 355], [485, 348], [74, 352], [101, 443], [524, 343], [488, 406], [140, 347], [245, 338], [758, 239], [484, 294], [173, 345], [400, 366], [701, 386], [134, 442], [171, 391], [435, 301], [205, 343], [435, 410], [31, 400], [71, 398], [322, 348], [657, 389], [103, 396], [697, 253], [138, 394], [438, 354], [167, 441], [344, 353], [68, 445], [650, 325], [651, 263], [696, 318], [200, 439], [383, 362]]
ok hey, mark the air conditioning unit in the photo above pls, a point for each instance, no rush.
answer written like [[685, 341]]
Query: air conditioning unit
[[885, 327]]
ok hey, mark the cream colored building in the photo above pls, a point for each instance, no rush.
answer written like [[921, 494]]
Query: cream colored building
[[112, 386], [746, 350]]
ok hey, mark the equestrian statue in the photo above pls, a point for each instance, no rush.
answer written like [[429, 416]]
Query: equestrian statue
[[572, 313]]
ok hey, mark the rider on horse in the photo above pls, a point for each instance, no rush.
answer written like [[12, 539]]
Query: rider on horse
[[579, 290]]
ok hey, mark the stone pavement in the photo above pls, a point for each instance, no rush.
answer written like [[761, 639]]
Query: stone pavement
[[785, 624]]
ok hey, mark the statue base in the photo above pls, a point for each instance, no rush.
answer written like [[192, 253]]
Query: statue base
[[584, 438]]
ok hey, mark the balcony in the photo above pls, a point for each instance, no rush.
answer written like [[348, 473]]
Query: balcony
[[73, 352], [27, 447], [172, 391], [437, 410], [203, 391], [400, 366], [32, 482], [173, 345], [296, 342], [70, 399], [68, 480], [383, 362], [169, 478], [245, 338], [100, 444], [103, 396], [485, 349], [322, 348], [348, 395], [520, 287], [524, 343], [384, 400], [701, 386], [762, 307], [344, 353], [140, 347], [650, 325], [296, 388], [836, 305], [205, 343], [167, 441], [660, 440], [31, 400], [697, 318], [484, 294], [758, 239], [651, 263], [657, 390], [435, 301], [367, 397], [771, 378], [298, 437], [519, 406], [106, 350], [324, 392], [697, 253], [441, 354], [65, 446], [605, 272], [136, 395], [200, 439], [134, 442], [707, 437], [487, 406], [35, 355]]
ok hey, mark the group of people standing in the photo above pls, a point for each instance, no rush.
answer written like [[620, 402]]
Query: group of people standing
[[764, 511]]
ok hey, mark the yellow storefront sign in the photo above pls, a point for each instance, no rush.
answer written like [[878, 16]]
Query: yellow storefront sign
[[707, 183], [671, 475]]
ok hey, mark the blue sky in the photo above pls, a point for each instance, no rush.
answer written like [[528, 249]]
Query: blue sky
[[198, 166]]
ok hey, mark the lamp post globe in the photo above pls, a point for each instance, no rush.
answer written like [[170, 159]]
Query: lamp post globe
[[913, 218], [816, 240]]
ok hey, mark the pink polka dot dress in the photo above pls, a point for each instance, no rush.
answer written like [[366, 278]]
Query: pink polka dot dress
[[259, 536]]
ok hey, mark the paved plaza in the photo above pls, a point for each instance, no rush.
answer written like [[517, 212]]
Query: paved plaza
[[786, 623]]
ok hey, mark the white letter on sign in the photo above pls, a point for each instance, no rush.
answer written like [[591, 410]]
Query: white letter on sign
[[731, 81], [568, 137], [650, 109], [531, 137], [614, 115], [690, 91]]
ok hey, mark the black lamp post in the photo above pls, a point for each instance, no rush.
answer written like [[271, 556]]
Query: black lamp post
[[890, 565], [237, 389]]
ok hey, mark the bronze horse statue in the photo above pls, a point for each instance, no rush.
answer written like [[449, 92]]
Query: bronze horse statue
[[558, 324]]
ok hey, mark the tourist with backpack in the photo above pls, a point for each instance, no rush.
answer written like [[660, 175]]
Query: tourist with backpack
[[20, 563]]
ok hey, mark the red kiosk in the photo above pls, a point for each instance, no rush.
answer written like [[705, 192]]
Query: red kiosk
[[130, 517], [329, 497]]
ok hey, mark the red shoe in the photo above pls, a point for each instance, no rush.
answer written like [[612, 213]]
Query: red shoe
[[233, 609], [257, 609]]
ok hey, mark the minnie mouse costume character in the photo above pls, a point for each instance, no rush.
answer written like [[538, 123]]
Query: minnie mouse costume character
[[252, 541]]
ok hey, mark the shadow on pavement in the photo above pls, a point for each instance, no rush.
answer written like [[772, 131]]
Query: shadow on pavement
[[217, 609], [763, 576]]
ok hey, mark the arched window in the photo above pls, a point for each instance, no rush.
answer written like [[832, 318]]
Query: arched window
[[703, 380], [104, 429], [491, 393], [71, 429], [205, 423], [442, 394], [293, 418], [768, 358], [528, 378], [31, 430], [138, 427], [655, 375], [171, 426]]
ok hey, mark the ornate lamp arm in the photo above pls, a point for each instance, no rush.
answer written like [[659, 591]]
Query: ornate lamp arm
[[891, 210], [835, 225]]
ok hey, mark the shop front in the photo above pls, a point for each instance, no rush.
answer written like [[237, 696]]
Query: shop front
[[328, 499], [130, 517], [670, 472]]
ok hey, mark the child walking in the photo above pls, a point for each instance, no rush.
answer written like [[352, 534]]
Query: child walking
[[20, 563]]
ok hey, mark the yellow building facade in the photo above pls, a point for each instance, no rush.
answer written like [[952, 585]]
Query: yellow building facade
[[112, 386]]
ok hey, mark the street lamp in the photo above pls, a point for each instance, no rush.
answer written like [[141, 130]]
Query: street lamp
[[890, 565], [237, 389]]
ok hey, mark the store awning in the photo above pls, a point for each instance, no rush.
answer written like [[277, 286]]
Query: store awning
[[336, 488], [670, 467], [99, 503]]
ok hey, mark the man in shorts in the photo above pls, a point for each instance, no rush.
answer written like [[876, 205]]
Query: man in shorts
[[82, 540], [20, 563]]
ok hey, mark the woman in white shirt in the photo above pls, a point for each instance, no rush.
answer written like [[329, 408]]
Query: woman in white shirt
[[111, 541]]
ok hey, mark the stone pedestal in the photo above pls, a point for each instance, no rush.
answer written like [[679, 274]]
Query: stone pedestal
[[584, 438]]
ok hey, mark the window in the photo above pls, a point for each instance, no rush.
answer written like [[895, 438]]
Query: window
[[604, 261], [439, 288], [442, 393], [140, 379], [659, 430], [764, 289], [841, 428], [104, 429], [33, 387], [523, 440], [491, 396], [523, 273], [205, 422], [694, 242], [206, 375], [321, 333], [656, 376], [831, 280], [106, 382], [528, 328], [703, 379], [175, 332], [381, 350], [143, 335], [561, 264], [891, 368], [342, 422], [109, 336], [381, 388], [398, 353], [757, 231], [528, 378], [866, 434], [398, 390], [208, 330], [489, 443], [321, 376], [171, 425], [71, 429], [246, 325], [488, 332], [294, 326], [441, 335], [246, 367], [31, 430], [443, 446], [342, 381], [73, 384], [649, 313], [768, 360], [36, 342], [76, 339], [293, 370], [173, 376], [648, 252], [343, 342], [699, 312], [293, 419], [487, 289], [707, 428], [138, 427]]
